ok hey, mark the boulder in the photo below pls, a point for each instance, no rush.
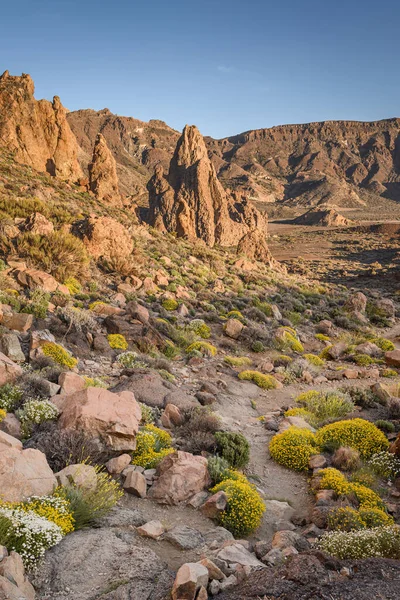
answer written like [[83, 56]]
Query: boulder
[[214, 505], [71, 383], [10, 345], [189, 579], [103, 179], [148, 386], [152, 529], [392, 358], [135, 483], [14, 584], [139, 312], [184, 537], [233, 328], [286, 539], [181, 475], [80, 475], [11, 425], [116, 465], [38, 224], [277, 514], [171, 416], [356, 303], [112, 418], [104, 237], [34, 278], [23, 473], [17, 321], [9, 370], [236, 553]]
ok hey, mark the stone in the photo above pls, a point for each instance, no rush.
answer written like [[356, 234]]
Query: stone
[[197, 500], [11, 425], [37, 132], [116, 465], [148, 386], [112, 418], [214, 572], [106, 310], [71, 383], [152, 529], [103, 179], [385, 307], [135, 483], [382, 391], [40, 337], [23, 473], [192, 202], [205, 398], [87, 562], [17, 321], [285, 539], [37, 223], [10, 345], [228, 583], [254, 245], [236, 553], [233, 328], [350, 373], [356, 302], [324, 327], [277, 512], [392, 358], [171, 417], [217, 536], [79, 475], [297, 422], [14, 584], [273, 557], [34, 278], [9, 370], [184, 537], [317, 461], [202, 593], [139, 312], [336, 350], [181, 475], [189, 579], [214, 505], [369, 349], [180, 399], [103, 236]]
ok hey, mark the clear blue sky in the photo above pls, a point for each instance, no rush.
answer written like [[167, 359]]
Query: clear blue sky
[[224, 65]]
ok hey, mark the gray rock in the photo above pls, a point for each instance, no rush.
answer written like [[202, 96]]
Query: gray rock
[[122, 517], [184, 537], [217, 536], [11, 347], [273, 557], [96, 563], [276, 513], [237, 554]]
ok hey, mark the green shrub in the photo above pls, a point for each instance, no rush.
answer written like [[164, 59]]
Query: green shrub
[[170, 304], [233, 447], [238, 361], [380, 542], [130, 360], [386, 426], [89, 504], [325, 406], [363, 360], [59, 354], [58, 253], [293, 448], [202, 347], [356, 433], [199, 327], [38, 305], [117, 341], [10, 396], [152, 445], [217, 468], [245, 507], [257, 346], [266, 382]]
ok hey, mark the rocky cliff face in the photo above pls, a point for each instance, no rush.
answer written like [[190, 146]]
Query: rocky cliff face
[[103, 180], [336, 162], [192, 202], [37, 132]]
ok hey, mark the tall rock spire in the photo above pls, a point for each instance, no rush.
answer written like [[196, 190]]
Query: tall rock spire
[[103, 179]]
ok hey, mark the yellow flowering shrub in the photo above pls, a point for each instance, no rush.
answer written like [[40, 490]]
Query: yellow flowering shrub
[[170, 304], [346, 518], [2, 415], [384, 344], [152, 445], [322, 337], [73, 285], [203, 347], [266, 382], [93, 305], [325, 354], [332, 479], [287, 340], [325, 406], [245, 506], [292, 448], [298, 412], [238, 361], [117, 341], [53, 509], [59, 354], [315, 360], [356, 433]]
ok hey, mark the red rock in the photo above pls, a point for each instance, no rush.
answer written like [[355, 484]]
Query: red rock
[[33, 278], [71, 383], [233, 328], [104, 237], [17, 321], [189, 579], [392, 358], [116, 465], [135, 483], [103, 179], [37, 223]]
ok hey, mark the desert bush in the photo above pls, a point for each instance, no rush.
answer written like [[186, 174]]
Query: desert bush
[[380, 542], [202, 347], [76, 317], [169, 304], [287, 340], [152, 445], [393, 407], [238, 361], [197, 432], [385, 426], [233, 447], [38, 305], [58, 253], [315, 360], [30, 534], [389, 373], [73, 285], [117, 341], [383, 344], [293, 448], [346, 459], [34, 412], [266, 382], [53, 508], [356, 433], [66, 447], [325, 406], [363, 397], [385, 464], [10, 396], [59, 354], [332, 479], [130, 360], [148, 414], [245, 507], [350, 519], [217, 468], [199, 327], [89, 504]]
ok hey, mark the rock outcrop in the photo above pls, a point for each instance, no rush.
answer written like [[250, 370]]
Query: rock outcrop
[[322, 216], [103, 179], [104, 237], [192, 202], [37, 131], [254, 246]]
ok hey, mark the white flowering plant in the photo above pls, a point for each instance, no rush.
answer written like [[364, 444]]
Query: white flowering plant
[[36, 411], [30, 534], [379, 542], [10, 396], [385, 464], [130, 360]]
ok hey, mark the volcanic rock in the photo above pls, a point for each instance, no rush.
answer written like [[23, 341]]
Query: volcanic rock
[[103, 179]]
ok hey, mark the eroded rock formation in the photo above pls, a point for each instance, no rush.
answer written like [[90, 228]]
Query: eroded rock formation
[[192, 202], [103, 179], [36, 131]]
